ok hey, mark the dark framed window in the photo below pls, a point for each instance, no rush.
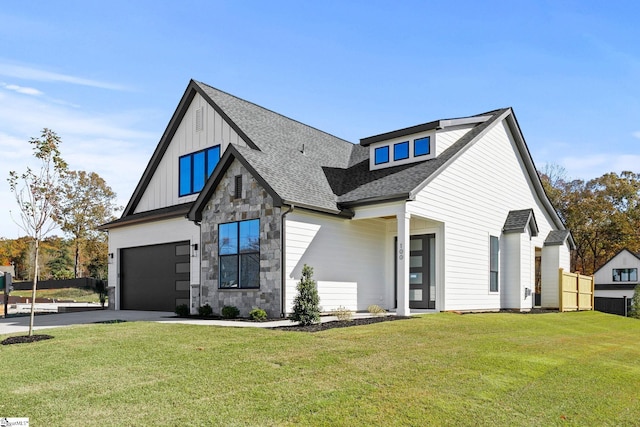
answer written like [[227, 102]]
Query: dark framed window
[[421, 146], [401, 150], [382, 155], [239, 254], [625, 274], [195, 168], [494, 251]]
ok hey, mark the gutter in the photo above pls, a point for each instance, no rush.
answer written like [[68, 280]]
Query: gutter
[[283, 253]]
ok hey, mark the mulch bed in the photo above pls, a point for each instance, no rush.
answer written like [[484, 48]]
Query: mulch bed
[[317, 327], [25, 339]]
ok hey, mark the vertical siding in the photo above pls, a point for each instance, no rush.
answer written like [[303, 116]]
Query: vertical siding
[[473, 197], [162, 190], [347, 256]]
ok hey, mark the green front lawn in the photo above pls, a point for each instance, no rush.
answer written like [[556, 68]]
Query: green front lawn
[[441, 369], [75, 294]]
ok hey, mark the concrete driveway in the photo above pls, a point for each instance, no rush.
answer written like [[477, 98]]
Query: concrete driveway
[[18, 325]]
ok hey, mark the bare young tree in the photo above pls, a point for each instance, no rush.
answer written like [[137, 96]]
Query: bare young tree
[[38, 196]]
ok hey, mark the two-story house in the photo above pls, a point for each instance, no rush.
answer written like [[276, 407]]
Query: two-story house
[[445, 215], [617, 279]]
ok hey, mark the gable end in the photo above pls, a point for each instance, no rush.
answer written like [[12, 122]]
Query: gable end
[[195, 213], [190, 92]]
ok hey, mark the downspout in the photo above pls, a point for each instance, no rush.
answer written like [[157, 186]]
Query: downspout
[[199, 263], [283, 253]]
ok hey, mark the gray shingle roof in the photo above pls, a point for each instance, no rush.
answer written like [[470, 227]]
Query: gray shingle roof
[[518, 221], [559, 237], [272, 132], [308, 167], [361, 185], [331, 174]]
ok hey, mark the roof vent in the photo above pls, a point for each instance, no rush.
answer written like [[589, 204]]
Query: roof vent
[[199, 116]]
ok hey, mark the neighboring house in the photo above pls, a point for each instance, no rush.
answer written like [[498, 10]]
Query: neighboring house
[[445, 215], [8, 269], [618, 277]]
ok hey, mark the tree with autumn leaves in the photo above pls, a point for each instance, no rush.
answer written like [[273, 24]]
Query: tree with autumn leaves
[[87, 202], [602, 213]]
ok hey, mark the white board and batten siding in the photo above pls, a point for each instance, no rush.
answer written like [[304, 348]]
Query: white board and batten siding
[[152, 233], [347, 257], [473, 197], [162, 190]]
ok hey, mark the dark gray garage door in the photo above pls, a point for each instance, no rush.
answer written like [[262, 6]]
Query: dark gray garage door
[[155, 277]]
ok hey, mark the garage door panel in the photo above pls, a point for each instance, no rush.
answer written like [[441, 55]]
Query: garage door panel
[[149, 276]]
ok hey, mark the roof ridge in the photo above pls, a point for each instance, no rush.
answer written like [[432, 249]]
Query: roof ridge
[[275, 112]]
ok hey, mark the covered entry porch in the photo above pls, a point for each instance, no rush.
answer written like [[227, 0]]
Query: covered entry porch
[[414, 258]]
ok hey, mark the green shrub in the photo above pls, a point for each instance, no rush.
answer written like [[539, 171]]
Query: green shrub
[[635, 303], [230, 312], [306, 305], [343, 314], [258, 315], [101, 287], [182, 310], [376, 309], [205, 310]]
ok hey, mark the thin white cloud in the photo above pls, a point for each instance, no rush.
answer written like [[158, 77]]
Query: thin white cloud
[[31, 73], [596, 165], [112, 145], [26, 115], [22, 89], [636, 134]]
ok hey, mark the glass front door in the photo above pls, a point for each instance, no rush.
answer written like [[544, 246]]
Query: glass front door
[[422, 271]]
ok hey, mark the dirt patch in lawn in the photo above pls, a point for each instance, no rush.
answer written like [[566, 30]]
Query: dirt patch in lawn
[[25, 339], [317, 327]]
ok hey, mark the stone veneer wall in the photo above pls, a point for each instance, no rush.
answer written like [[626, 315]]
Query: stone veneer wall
[[223, 208]]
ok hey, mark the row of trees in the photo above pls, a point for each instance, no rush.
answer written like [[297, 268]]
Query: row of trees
[[58, 258], [602, 213], [53, 196]]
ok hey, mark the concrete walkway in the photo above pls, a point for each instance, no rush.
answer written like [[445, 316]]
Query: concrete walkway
[[19, 325]]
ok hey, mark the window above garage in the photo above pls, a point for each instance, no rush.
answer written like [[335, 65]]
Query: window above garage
[[195, 168]]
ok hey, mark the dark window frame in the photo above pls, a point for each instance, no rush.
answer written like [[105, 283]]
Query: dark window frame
[[622, 272], [192, 175], [239, 255], [494, 264], [397, 158], [381, 149], [428, 139]]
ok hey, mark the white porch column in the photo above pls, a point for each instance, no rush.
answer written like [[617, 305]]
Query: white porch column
[[404, 220]]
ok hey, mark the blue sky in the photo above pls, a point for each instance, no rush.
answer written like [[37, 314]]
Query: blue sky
[[107, 76]]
